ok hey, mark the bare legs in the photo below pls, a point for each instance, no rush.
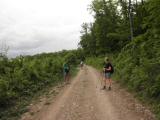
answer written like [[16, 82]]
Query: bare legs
[[66, 77], [109, 82]]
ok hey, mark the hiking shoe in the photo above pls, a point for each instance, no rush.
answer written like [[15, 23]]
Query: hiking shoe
[[104, 88], [109, 88]]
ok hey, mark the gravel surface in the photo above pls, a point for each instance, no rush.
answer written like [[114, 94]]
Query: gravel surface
[[83, 99]]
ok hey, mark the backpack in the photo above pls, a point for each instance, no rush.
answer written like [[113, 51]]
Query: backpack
[[112, 69], [66, 68]]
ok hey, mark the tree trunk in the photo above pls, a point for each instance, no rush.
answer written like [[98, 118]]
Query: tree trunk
[[136, 3], [142, 2], [130, 19]]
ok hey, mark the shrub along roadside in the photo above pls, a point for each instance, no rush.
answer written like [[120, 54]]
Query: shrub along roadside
[[137, 70], [98, 62], [23, 78]]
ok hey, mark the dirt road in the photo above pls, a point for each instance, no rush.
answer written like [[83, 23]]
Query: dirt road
[[84, 100]]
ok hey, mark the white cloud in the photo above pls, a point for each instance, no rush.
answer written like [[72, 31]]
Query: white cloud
[[34, 26]]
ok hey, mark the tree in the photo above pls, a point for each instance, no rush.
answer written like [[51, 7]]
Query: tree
[[130, 19]]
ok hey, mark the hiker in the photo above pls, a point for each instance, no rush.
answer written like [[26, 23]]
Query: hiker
[[66, 70], [107, 70], [81, 64]]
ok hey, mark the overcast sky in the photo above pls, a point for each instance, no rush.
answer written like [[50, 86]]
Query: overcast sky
[[35, 26]]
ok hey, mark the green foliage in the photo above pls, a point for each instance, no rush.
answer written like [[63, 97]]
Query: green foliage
[[116, 41], [96, 38], [70, 58], [136, 62], [22, 77], [110, 31], [96, 62], [138, 67]]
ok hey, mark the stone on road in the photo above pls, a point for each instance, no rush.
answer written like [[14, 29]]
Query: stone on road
[[83, 99]]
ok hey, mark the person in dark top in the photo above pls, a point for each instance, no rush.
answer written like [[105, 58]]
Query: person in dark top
[[66, 70], [107, 70]]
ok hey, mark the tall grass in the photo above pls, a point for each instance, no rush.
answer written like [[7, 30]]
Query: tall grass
[[22, 78]]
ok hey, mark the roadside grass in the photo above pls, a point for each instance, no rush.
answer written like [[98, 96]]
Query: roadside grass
[[21, 105], [152, 103]]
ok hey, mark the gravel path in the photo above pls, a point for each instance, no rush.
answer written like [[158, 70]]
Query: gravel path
[[84, 100]]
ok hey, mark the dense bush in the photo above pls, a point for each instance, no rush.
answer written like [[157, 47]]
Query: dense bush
[[140, 59], [23, 77], [137, 60], [96, 62]]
